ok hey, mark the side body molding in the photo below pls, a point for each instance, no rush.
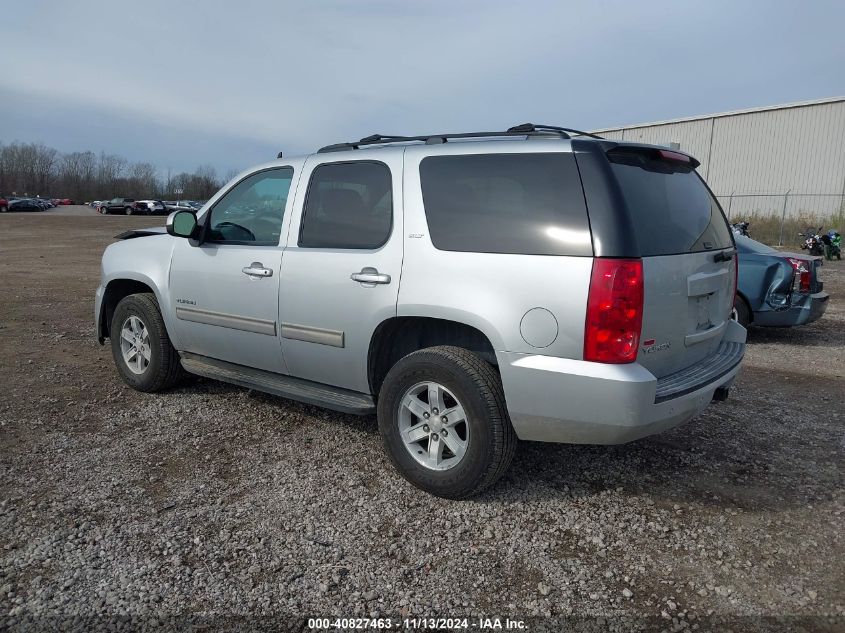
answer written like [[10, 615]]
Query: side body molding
[[232, 321]]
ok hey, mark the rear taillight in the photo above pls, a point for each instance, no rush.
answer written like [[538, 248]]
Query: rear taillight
[[802, 273], [614, 311]]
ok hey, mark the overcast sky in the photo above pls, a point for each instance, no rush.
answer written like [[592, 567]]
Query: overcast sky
[[181, 83]]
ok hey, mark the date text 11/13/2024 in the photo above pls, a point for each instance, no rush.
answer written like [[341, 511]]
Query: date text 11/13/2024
[[416, 624]]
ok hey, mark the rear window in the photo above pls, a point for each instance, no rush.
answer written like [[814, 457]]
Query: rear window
[[529, 204], [672, 210], [348, 205]]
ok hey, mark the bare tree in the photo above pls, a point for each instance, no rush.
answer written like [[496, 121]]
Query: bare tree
[[110, 170], [43, 167], [70, 174], [27, 167], [35, 169], [88, 171], [142, 180]]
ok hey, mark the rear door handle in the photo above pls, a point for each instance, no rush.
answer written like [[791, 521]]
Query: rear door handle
[[256, 270], [370, 276]]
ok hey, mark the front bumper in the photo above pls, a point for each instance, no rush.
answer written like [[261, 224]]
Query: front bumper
[[577, 402], [806, 310]]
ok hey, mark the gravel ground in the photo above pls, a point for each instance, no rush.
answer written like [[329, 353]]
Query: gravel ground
[[215, 506]]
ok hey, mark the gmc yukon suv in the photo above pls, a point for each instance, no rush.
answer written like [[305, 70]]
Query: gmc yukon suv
[[470, 289]]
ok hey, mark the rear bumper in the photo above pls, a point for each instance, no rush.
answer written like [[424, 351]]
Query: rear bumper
[[806, 310], [563, 400]]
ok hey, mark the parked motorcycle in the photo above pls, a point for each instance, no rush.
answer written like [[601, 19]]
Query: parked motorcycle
[[832, 242], [741, 228], [813, 241]]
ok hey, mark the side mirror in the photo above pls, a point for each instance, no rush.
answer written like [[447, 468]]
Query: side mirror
[[182, 224]]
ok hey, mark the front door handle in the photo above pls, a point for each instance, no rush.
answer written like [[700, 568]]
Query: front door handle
[[256, 270], [370, 277]]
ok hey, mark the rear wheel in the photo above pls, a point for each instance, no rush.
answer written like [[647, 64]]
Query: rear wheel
[[743, 312], [442, 416], [142, 352], [128, 210]]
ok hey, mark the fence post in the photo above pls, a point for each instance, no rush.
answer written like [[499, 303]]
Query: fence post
[[730, 204], [783, 217]]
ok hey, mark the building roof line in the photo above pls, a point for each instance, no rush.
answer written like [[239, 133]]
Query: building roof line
[[704, 117]]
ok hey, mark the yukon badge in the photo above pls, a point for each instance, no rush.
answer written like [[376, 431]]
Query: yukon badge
[[650, 346], [189, 302]]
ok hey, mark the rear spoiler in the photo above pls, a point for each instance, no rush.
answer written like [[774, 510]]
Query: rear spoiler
[[656, 153]]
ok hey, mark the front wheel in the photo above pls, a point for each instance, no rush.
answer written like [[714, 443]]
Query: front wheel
[[128, 210], [444, 423], [141, 348]]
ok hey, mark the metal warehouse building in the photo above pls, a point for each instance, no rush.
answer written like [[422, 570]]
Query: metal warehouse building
[[786, 159]]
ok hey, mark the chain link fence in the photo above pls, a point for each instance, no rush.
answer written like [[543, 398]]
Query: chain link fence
[[778, 218]]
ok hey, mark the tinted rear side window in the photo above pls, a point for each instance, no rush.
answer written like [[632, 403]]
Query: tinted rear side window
[[672, 210], [348, 205], [528, 204]]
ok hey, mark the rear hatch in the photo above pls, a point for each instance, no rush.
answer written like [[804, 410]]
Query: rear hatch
[[688, 257]]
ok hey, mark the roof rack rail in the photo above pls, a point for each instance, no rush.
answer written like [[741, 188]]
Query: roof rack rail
[[536, 127], [526, 129]]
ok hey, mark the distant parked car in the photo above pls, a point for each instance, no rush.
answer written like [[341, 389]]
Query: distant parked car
[[181, 205], [65, 202], [4, 205], [25, 204], [118, 205], [154, 206], [777, 288]]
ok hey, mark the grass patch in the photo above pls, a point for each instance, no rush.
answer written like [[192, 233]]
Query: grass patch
[[766, 227]]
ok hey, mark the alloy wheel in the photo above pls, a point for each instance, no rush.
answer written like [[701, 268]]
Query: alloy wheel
[[135, 345], [433, 426]]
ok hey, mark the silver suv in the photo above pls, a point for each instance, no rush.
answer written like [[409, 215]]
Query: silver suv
[[471, 289]]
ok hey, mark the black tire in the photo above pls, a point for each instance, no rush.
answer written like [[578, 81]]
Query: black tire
[[477, 386], [743, 312], [165, 368]]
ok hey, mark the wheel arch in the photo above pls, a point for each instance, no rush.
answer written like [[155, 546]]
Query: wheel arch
[[396, 337], [114, 292]]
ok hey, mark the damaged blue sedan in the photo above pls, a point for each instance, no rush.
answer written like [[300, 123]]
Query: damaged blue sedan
[[776, 288]]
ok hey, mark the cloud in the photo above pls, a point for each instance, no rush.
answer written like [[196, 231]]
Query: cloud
[[300, 75]]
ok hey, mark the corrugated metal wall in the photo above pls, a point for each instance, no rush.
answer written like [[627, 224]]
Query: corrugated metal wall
[[770, 151]]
